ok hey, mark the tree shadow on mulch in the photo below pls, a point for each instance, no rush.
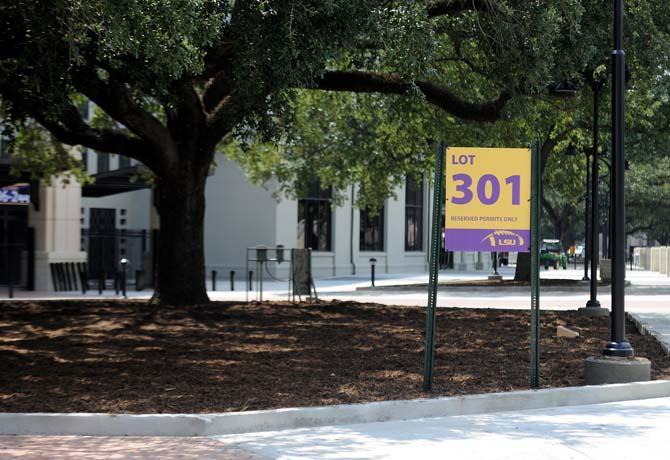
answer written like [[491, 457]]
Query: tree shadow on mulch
[[93, 356]]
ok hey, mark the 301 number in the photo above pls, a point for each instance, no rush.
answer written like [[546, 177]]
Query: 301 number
[[464, 187]]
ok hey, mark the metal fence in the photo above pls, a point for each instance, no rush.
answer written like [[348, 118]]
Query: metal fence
[[106, 249]]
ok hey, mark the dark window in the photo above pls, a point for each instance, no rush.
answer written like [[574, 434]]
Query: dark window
[[84, 159], [314, 219], [124, 162], [4, 146], [372, 230], [103, 162], [84, 111], [413, 215]]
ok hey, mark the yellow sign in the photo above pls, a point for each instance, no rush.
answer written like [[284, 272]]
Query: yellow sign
[[487, 199]]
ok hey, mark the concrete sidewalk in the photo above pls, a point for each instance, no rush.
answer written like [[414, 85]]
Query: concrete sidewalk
[[621, 430]]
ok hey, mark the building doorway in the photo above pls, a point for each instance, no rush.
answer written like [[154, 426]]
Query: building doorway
[[16, 247]]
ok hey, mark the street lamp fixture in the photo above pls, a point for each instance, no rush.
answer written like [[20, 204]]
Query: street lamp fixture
[[563, 89]]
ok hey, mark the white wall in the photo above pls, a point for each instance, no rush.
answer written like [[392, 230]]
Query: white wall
[[238, 215], [136, 205]]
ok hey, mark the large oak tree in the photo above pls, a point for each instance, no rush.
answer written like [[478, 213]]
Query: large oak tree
[[176, 77]]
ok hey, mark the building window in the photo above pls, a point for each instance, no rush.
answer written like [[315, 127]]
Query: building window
[[413, 215], [84, 111], [4, 146], [371, 230], [84, 159], [314, 219], [124, 162], [103, 162]]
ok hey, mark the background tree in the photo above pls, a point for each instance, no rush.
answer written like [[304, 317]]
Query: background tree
[[176, 77]]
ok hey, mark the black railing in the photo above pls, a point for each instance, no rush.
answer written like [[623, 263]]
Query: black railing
[[106, 249]]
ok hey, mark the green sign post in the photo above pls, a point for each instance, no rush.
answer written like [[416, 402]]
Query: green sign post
[[435, 237], [459, 201], [535, 210]]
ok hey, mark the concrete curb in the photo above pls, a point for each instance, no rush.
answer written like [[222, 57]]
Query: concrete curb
[[280, 419], [643, 328]]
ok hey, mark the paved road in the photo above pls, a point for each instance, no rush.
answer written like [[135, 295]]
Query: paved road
[[648, 296]]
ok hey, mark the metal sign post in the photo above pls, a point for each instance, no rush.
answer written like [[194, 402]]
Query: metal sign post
[[429, 355], [488, 204], [535, 210]]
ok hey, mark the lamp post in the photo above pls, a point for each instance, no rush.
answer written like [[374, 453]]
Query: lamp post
[[572, 151], [587, 234], [617, 363], [593, 305], [618, 346], [607, 229]]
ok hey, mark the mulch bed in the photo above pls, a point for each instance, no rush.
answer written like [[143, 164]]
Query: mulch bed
[[83, 356]]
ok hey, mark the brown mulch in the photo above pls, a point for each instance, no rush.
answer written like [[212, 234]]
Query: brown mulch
[[89, 356]]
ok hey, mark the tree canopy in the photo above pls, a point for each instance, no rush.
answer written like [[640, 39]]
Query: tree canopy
[[175, 78]]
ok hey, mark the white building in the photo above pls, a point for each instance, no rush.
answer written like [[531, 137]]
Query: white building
[[343, 239], [114, 218]]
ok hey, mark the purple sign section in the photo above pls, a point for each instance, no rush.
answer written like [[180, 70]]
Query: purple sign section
[[471, 239]]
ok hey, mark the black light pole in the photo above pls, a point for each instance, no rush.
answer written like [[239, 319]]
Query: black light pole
[[595, 218], [607, 232], [572, 151], [618, 346], [587, 215]]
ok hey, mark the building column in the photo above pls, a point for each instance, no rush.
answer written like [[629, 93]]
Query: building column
[[57, 229], [480, 263]]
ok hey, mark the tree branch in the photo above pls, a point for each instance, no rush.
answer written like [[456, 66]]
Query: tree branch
[[115, 99], [639, 228], [391, 83], [72, 130], [454, 7]]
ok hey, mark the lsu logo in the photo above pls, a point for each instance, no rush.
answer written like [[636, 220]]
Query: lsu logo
[[503, 238]]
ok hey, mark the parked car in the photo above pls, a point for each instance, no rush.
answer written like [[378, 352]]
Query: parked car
[[552, 254]]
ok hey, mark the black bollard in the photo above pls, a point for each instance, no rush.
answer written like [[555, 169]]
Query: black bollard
[[123, 283], [101, 282], [373, 262], [213, 280], [232, 280], [139, 280]]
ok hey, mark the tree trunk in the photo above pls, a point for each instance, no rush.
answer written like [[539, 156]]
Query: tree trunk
[[522, 272], [181, 262]]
